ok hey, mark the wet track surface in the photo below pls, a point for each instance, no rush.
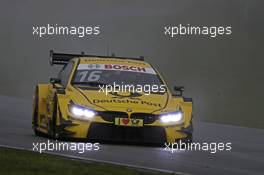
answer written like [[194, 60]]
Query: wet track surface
[[246, 156]]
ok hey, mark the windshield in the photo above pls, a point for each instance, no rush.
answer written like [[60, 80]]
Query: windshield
[[101, 74]]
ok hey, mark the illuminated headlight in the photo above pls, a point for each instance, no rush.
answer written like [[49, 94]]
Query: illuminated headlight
[[80, 112], [174, 117]]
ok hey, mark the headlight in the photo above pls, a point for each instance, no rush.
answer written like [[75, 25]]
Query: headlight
[[81, 112], [174, 117]]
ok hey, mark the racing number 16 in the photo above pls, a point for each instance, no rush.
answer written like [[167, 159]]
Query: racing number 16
[[92, 76]]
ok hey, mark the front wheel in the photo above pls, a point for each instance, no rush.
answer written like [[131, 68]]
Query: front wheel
[[35, 114], [52, 122]]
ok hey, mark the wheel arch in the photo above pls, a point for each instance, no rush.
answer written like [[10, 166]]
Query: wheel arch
[[42, 92]]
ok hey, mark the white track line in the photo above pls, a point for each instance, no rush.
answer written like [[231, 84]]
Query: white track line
[[100, 161]]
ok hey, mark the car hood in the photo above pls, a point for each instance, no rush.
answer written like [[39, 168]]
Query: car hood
[[118, 101]]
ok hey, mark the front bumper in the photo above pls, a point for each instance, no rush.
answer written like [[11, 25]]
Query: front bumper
[[103, 129], [108, 132]]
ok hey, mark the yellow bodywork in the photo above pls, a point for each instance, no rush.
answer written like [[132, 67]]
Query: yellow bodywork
[[154, 103]]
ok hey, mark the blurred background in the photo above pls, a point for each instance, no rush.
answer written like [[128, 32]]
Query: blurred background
[[223, 75]]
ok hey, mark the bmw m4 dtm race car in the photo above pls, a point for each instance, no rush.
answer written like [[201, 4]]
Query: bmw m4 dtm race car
[[82, 102]]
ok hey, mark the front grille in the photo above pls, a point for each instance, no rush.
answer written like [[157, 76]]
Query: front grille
[[108, 132], [110, 116], [147, 118]]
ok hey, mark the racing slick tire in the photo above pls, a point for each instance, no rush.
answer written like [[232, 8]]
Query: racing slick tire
[[35, 114], [52, 123]]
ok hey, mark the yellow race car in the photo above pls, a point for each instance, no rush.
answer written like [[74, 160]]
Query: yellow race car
[[108, 98]]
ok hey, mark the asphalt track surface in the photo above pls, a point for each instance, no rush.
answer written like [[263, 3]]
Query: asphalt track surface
[[246, 156]]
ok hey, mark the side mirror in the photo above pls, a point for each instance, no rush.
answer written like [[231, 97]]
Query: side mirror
[[55, 80], [179, 90]]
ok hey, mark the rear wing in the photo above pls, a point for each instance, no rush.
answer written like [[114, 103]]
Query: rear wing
[[64, 58]]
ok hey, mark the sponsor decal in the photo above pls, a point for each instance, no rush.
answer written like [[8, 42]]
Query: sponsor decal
[[127, 101], [116, 67], [129, 122]]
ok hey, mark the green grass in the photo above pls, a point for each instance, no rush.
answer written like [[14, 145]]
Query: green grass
[[14, 162]]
